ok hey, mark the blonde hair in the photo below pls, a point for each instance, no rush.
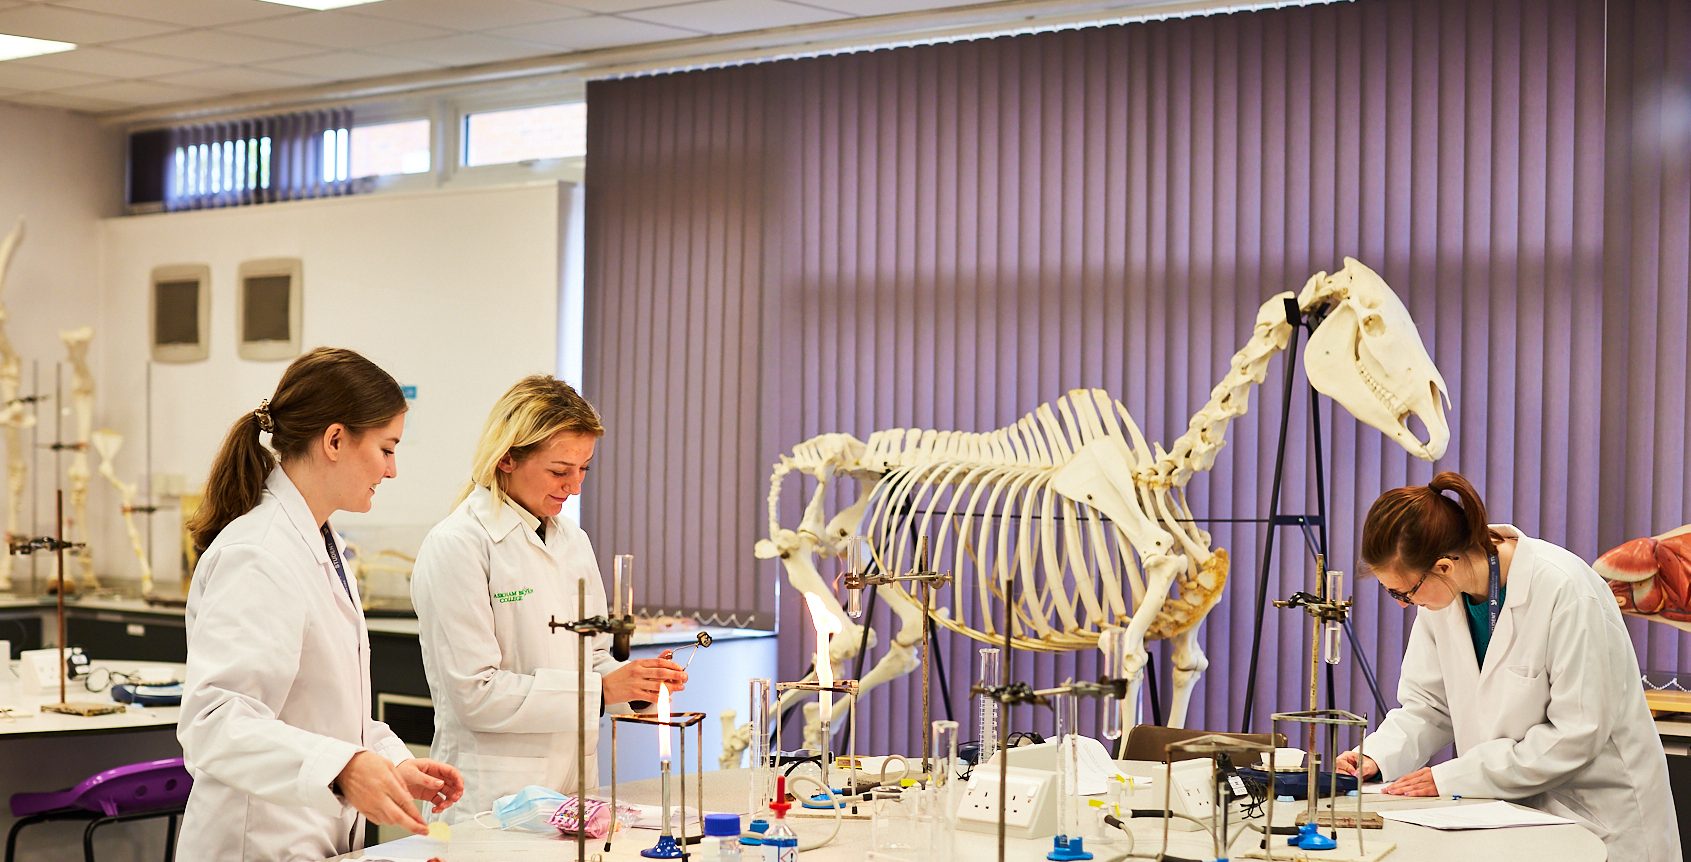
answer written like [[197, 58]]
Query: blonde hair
[[523, 419]]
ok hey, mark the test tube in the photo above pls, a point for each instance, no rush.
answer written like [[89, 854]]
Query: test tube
[[1113, 643], [759, 747], [989, 676], [1333, 630], [622, 586], [854, 565]]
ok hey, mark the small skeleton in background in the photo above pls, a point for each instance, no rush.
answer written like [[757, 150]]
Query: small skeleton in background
[[107, 442], [735, 740], [15, 417], [1070, 515], [82, 404]]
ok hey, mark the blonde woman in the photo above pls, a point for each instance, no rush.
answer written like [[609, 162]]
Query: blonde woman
[[275, 723], [487, 580]]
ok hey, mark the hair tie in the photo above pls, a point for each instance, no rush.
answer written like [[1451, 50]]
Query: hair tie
[[262, 414], [1433, 488]]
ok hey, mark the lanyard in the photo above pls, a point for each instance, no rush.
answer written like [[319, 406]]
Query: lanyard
[[1496, 587], [335, 557]]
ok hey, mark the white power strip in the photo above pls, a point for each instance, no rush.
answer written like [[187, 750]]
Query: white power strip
[[1030, 808]]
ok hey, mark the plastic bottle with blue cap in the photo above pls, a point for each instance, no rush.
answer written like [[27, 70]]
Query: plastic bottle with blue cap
[[722, 838]]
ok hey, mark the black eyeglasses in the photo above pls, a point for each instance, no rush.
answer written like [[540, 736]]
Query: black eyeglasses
[[1409, 597]]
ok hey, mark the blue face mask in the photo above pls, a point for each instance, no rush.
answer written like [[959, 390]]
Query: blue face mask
[[529, 809]]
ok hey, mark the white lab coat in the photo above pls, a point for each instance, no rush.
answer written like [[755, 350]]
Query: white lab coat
[[503, 682], [1555, 719], [277, 697]]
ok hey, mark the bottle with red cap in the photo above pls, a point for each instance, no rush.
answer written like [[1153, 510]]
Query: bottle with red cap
[[779, 843]]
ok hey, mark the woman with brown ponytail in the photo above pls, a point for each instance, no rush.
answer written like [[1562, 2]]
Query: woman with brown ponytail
[[1519, 657], [275, 724]]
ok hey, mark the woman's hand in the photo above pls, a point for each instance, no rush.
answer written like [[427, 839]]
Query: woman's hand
[[1347, 765], [372, 785], [639, 680], [1417, 783], [432, 781]]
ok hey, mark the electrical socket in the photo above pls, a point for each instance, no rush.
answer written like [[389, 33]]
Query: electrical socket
[[1194, 793], [1030, 808]]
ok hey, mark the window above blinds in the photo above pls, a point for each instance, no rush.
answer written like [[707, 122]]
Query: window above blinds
[[525, 134]]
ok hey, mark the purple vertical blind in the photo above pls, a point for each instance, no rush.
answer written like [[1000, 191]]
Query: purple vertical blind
[[1647, 241], [947, 236]]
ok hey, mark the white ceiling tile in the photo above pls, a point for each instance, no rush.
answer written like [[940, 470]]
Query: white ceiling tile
[[216, 46], [338, 30], [188, 13], [346, 65], [468, 16], [600, 31], [67, 101], [464, 49], [886, 7], [140, 92], [74, 25], [235, 79], [735, 16], [21, 77], [617, 7], [111, 62]]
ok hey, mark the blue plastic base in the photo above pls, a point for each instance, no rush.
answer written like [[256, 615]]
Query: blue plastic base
[[1064, 849], [1309, 837], [822, 803], [666, 849]]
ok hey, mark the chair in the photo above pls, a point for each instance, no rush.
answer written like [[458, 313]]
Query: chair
[[139, 791], [1151, 742]]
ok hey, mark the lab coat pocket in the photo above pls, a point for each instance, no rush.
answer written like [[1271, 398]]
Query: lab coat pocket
[[1524, 699]]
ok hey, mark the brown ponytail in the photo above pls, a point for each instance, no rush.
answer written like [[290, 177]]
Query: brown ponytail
[[327, 386], [1412, 528]]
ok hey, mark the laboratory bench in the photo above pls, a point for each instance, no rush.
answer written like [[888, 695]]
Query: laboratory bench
[[727, 791]]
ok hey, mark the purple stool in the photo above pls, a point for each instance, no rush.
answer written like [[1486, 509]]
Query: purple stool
[[155, 788]]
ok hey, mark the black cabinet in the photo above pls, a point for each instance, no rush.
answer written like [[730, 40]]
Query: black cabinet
[[131, 637]]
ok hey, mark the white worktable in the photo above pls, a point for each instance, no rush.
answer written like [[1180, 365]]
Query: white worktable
[[26, 718], [726, 791], [49, 751]]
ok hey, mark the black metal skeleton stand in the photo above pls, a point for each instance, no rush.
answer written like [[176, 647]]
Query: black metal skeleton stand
[[1314, 526]]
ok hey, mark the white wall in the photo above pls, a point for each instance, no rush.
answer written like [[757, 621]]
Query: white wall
[[61, 173], [455, 292]]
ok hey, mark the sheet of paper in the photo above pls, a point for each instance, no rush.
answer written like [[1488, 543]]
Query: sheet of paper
[[1096, 766], [1377, 788], [651, 817], [411, 848], [1486, 815]]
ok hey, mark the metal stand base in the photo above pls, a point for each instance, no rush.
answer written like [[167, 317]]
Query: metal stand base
[[1309, 837], [1065, 849], [666, 848]]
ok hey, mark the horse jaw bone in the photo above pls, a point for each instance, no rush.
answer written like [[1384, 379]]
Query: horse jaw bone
[[1368, 356]]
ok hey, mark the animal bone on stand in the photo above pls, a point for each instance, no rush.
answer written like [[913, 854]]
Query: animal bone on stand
[[14, 418], [107, 442], [1072, 516], [82, 402]]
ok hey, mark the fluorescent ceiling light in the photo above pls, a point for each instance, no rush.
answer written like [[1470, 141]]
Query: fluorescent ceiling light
[[321, 5], [13, 47]]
